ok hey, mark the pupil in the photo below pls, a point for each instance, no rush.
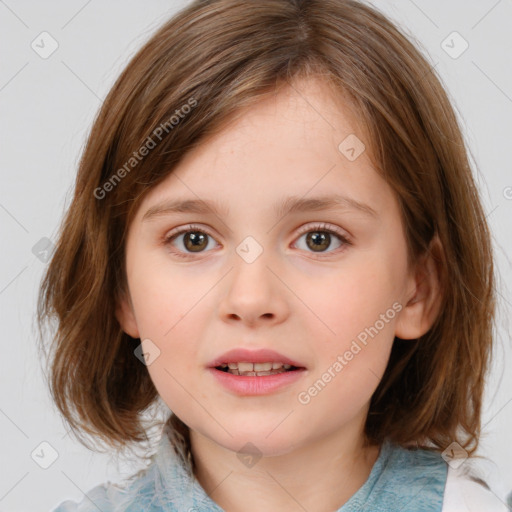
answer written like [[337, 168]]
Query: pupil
[[320, 239], [197, 239]]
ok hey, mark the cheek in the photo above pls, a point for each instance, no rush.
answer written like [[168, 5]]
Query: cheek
[[355, 297], [170, 313], [358, 308], [349, 364], [163, 296], [175, 369], [173, 319]]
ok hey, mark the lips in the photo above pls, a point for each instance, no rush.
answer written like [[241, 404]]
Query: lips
[[242, 355]]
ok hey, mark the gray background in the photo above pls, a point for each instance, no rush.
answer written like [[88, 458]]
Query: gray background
[[47, 107]]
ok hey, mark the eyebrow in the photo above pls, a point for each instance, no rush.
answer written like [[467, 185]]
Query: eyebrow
[[292, 204]]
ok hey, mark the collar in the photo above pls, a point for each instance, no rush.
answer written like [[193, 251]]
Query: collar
[[400, 479]]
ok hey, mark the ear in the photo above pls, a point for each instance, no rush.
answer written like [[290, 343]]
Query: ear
[[126, 316], [424, 296]]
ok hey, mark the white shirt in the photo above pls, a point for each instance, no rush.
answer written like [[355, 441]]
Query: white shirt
[[462, 494]]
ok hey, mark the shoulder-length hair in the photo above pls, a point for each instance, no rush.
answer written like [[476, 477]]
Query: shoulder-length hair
[[195, 74]]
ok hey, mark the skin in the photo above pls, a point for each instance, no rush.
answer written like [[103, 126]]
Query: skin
[[306, 304]]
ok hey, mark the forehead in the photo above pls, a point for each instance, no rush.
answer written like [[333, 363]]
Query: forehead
[[292, 142], [306, 109]]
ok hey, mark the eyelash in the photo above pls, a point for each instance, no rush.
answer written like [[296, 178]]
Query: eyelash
[[321, 227]]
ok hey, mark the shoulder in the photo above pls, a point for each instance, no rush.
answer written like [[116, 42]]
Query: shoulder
[[465, 492], [165, 484], [411, 480], [136, 494]]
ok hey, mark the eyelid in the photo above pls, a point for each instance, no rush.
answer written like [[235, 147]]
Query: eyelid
[[303, 229], [324, 226], [183, 229]]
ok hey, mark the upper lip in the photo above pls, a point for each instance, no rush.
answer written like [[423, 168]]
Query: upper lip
[[241, 355]]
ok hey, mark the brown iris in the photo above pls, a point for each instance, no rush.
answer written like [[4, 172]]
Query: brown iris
[[195, 241], [320, 240]]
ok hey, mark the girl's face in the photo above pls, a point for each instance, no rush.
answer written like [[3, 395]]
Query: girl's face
[[325, 285]]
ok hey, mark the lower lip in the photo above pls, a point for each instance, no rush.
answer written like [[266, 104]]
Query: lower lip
[[253, 385]]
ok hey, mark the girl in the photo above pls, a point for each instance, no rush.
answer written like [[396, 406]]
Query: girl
[[275, 230]]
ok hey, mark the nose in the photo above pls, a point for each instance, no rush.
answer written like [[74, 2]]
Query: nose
[[254, 294]]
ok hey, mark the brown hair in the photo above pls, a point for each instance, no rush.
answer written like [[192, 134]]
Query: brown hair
[[220, 56]]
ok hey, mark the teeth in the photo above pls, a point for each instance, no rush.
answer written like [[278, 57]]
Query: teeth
[[257, 374], [245, 367], [255, 367], [262, 367]]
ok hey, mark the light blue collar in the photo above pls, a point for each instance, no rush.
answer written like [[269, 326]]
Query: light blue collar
[[400, 480]]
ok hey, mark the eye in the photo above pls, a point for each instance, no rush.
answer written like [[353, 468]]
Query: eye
[[320, 237], [193, 240]]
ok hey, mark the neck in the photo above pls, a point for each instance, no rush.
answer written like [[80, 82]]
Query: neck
[[333, 467]]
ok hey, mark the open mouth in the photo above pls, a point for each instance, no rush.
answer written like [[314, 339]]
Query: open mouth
[[256, 369]]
